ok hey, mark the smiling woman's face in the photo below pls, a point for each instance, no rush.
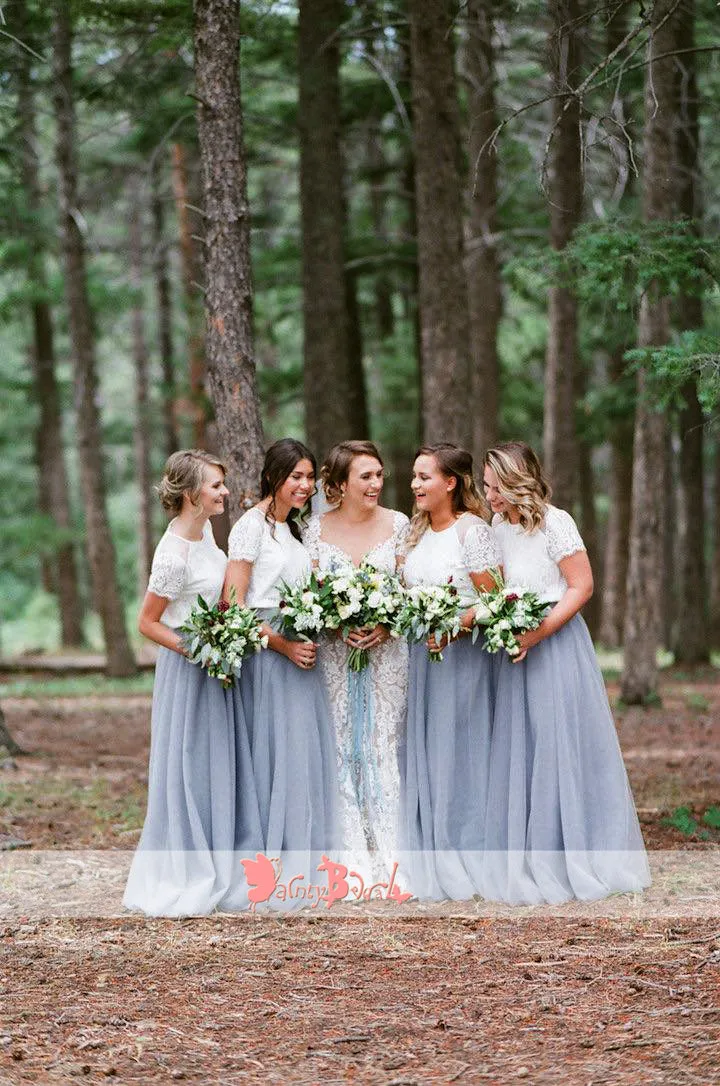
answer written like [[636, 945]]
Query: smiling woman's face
[[298, 487], [365, 480], [431, 488], [492, 492]]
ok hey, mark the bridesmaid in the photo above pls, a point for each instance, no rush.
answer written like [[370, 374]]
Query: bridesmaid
[[561, 822], [450, 703], [279, 696], [368, 707], [197, 762]]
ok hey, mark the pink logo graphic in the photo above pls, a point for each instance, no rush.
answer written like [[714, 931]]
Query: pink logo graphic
[[263, 878]]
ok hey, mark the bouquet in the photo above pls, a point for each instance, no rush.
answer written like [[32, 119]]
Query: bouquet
[[430, 609], [361, 598], [219, 638], [504, 614], [304, 607]]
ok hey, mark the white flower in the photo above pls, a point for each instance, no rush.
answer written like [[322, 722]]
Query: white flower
[[308, 598], [375, 599], [482, 612]]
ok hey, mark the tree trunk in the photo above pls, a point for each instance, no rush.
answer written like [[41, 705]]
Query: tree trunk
[[142, 419], [333, 380], [101, 552], [164, 314], [443, 296], [618, 525], [6, 740], [228, 279], [691, 643], [190, 261], [588, 516], [715, 569], [644, 584], [482, 262], [53, 488], [565, 192]]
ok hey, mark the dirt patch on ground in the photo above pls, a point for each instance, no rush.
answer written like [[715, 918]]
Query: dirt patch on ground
[[364, 998]]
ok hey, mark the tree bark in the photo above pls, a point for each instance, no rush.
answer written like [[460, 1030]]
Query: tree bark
[[142, 439], [164, 314], [715, 568], [443, 297], [53, 482], [228, 278], [586, 502], [191, 264], [565, 193], [101, 552], [482, 260], [333, 378], [618, 526], [644, 585], [691, 641]]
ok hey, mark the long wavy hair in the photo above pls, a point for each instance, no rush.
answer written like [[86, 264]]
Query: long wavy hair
[[336, 469], [454, 463], [521, 481], [280, 460]]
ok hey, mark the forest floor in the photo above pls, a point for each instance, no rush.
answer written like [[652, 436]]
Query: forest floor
[[611, 992]]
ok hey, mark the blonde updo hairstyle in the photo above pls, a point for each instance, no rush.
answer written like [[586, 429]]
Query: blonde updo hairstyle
[[521, 481], [185, 474], [336, 469], [454, 463]]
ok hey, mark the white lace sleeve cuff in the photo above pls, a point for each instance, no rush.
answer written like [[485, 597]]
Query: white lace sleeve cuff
[[480, 549], [563, 537], [246, 538], [167, 576]]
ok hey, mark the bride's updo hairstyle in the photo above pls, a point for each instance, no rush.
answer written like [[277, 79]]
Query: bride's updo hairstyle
[[280, 460], [336, 469], [521, 481], [454, 463], [185, 474]]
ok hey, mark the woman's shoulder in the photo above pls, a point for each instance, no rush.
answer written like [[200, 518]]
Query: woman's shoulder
[[400, 521], [562, 534], [246, 535]]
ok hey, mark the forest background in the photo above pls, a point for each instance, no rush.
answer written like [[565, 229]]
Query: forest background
[[423, 221]]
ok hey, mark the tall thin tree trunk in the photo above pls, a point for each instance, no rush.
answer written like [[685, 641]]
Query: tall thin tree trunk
[[482, 261], [618, 525], [443, 298], [691, 643], [54, 490], [164, 313], [333, 380], [715, 567], [565, 193], [6, 740], [644, 587], [586, 502], [142, 419], [228, 277], [191, 276], [101, 552]]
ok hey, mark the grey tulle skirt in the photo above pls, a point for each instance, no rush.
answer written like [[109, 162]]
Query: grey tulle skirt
[[202, 804], [561, 822], [446, 763]]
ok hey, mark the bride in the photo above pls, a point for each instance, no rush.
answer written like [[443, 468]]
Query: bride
[[368, 706]]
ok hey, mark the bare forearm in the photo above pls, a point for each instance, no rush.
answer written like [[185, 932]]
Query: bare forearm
[[162, 635], [565, 609]]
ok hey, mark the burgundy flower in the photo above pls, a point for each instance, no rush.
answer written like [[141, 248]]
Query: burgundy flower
[[282, 603], [450, 579], [511, 597], [223, 606]]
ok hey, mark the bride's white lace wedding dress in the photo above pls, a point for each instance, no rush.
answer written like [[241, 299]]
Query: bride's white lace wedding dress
[[369, 710]]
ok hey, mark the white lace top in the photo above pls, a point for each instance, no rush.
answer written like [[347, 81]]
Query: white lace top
[[386, 555], [530, 559], [467, 546], [184, 569], [276, 556]]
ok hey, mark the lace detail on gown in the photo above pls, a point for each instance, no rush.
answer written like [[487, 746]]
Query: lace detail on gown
[[370, 785], [480, 549], [167, 577], [246, 538]]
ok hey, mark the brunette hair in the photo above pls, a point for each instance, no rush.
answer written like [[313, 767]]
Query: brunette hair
[[521, 481], [185, 474], [454, 463], [280, 459], [336, 469]]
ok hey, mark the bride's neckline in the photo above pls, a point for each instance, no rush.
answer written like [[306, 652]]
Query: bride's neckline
[[346, 554]]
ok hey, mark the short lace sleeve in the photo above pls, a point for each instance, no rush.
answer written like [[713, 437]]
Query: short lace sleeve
[[562, 535], [311, 538], [401, 531], [246, 538], [167, 576], [480, 548]]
